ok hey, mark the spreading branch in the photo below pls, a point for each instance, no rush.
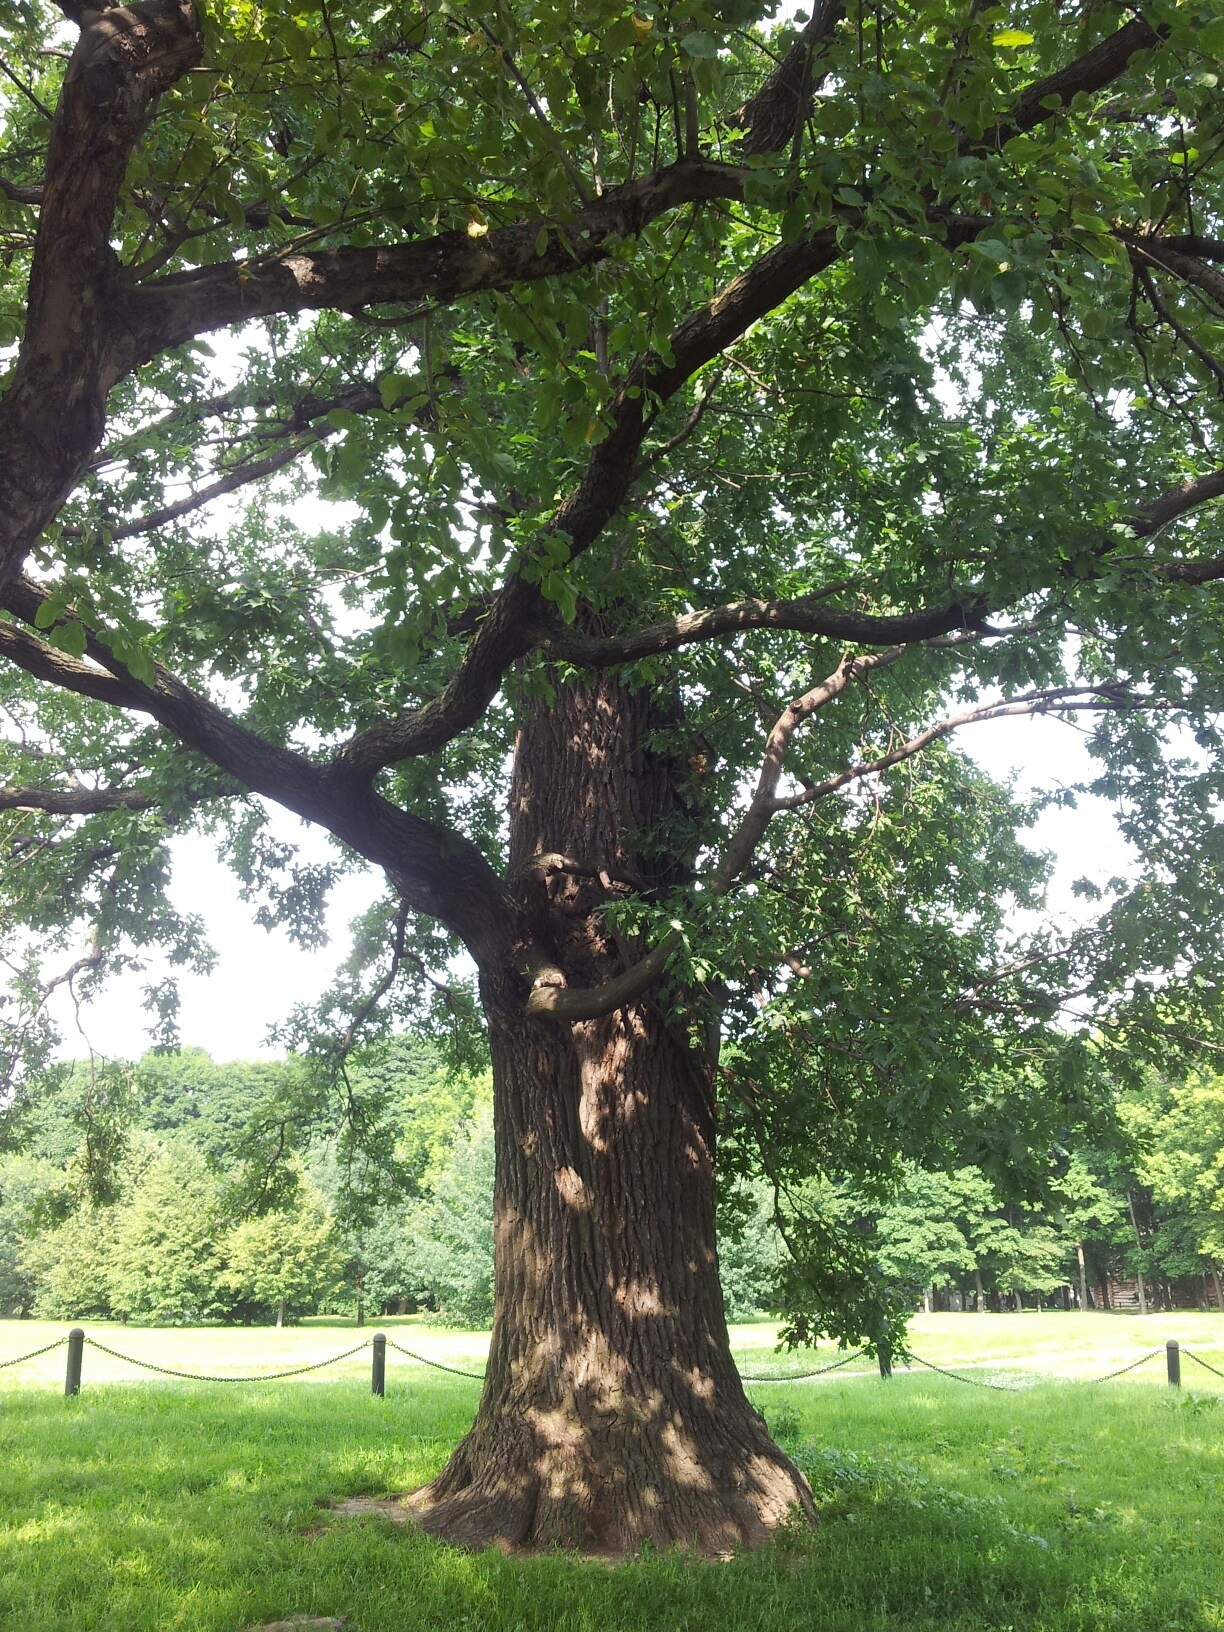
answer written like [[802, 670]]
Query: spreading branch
[[770, 118], [438, 872], [809, 615], [520, 615], [751, 830], [165, 312], [77, 801], [1107, 699]]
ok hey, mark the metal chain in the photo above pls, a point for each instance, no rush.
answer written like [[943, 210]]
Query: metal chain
[[978, 1382], [199, 1377], [1122, 1370], [798, 1376], [436, 1364], [478, 1376], [33, 1355]]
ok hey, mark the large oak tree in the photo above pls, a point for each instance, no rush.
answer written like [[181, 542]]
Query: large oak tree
[[714, 421]]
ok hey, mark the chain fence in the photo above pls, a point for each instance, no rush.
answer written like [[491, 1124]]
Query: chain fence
[[1016, 1388], [438, 1365], [34, 1353], [1122, 1370], [77, 1340], [798, 1376], [201, 1377], [957, 1376]]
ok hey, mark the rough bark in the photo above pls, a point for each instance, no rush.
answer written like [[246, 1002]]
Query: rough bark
[[53, 413], [612, 1411]]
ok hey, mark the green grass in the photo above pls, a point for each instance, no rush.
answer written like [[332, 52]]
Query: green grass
[[1061, 1508]]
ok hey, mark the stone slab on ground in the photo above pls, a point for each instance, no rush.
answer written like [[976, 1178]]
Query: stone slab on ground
[[301, 1623]]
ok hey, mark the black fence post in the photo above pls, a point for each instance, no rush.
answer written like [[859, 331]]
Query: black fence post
[[76, 1349], [884, 1356], [1173, 1358], [378, 1371]]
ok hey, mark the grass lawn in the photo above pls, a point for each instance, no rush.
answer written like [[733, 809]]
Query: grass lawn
[[146, 1506]]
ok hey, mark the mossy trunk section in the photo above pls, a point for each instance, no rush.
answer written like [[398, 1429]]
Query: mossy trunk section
[[612, 1412]]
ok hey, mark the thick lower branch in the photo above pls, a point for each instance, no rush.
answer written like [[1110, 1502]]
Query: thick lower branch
[[53, 413], [810, 615], [438, 872], [75, 801], [159, 315], [551, 997]]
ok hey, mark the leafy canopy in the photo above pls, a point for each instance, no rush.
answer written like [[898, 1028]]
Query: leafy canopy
[[846, 384]]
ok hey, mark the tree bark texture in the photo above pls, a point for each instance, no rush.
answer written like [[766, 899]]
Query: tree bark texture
[[612, 1411]]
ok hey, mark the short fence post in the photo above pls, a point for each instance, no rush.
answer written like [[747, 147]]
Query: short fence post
[[1173, 1357], [76, 1349], [378, 1371], [884, 1356]]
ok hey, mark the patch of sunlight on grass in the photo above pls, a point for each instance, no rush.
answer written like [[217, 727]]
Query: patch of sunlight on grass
[[49, 1525]]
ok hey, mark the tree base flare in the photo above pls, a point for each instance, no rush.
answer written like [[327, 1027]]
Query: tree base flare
[[527, 1492]]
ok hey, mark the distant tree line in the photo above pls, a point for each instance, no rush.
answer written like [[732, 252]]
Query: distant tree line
[[178, 1190]]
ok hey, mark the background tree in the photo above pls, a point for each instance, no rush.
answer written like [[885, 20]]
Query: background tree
[[750, 1251], [26, 1182], [1178, 1132], [165, 1260], [70, 1265], [715, 426], [1090, 1210], [922, 1240], [288, 1260], [447, 1243]]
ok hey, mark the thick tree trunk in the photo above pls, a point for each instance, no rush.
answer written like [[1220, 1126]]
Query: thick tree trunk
[[612, 1413]]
